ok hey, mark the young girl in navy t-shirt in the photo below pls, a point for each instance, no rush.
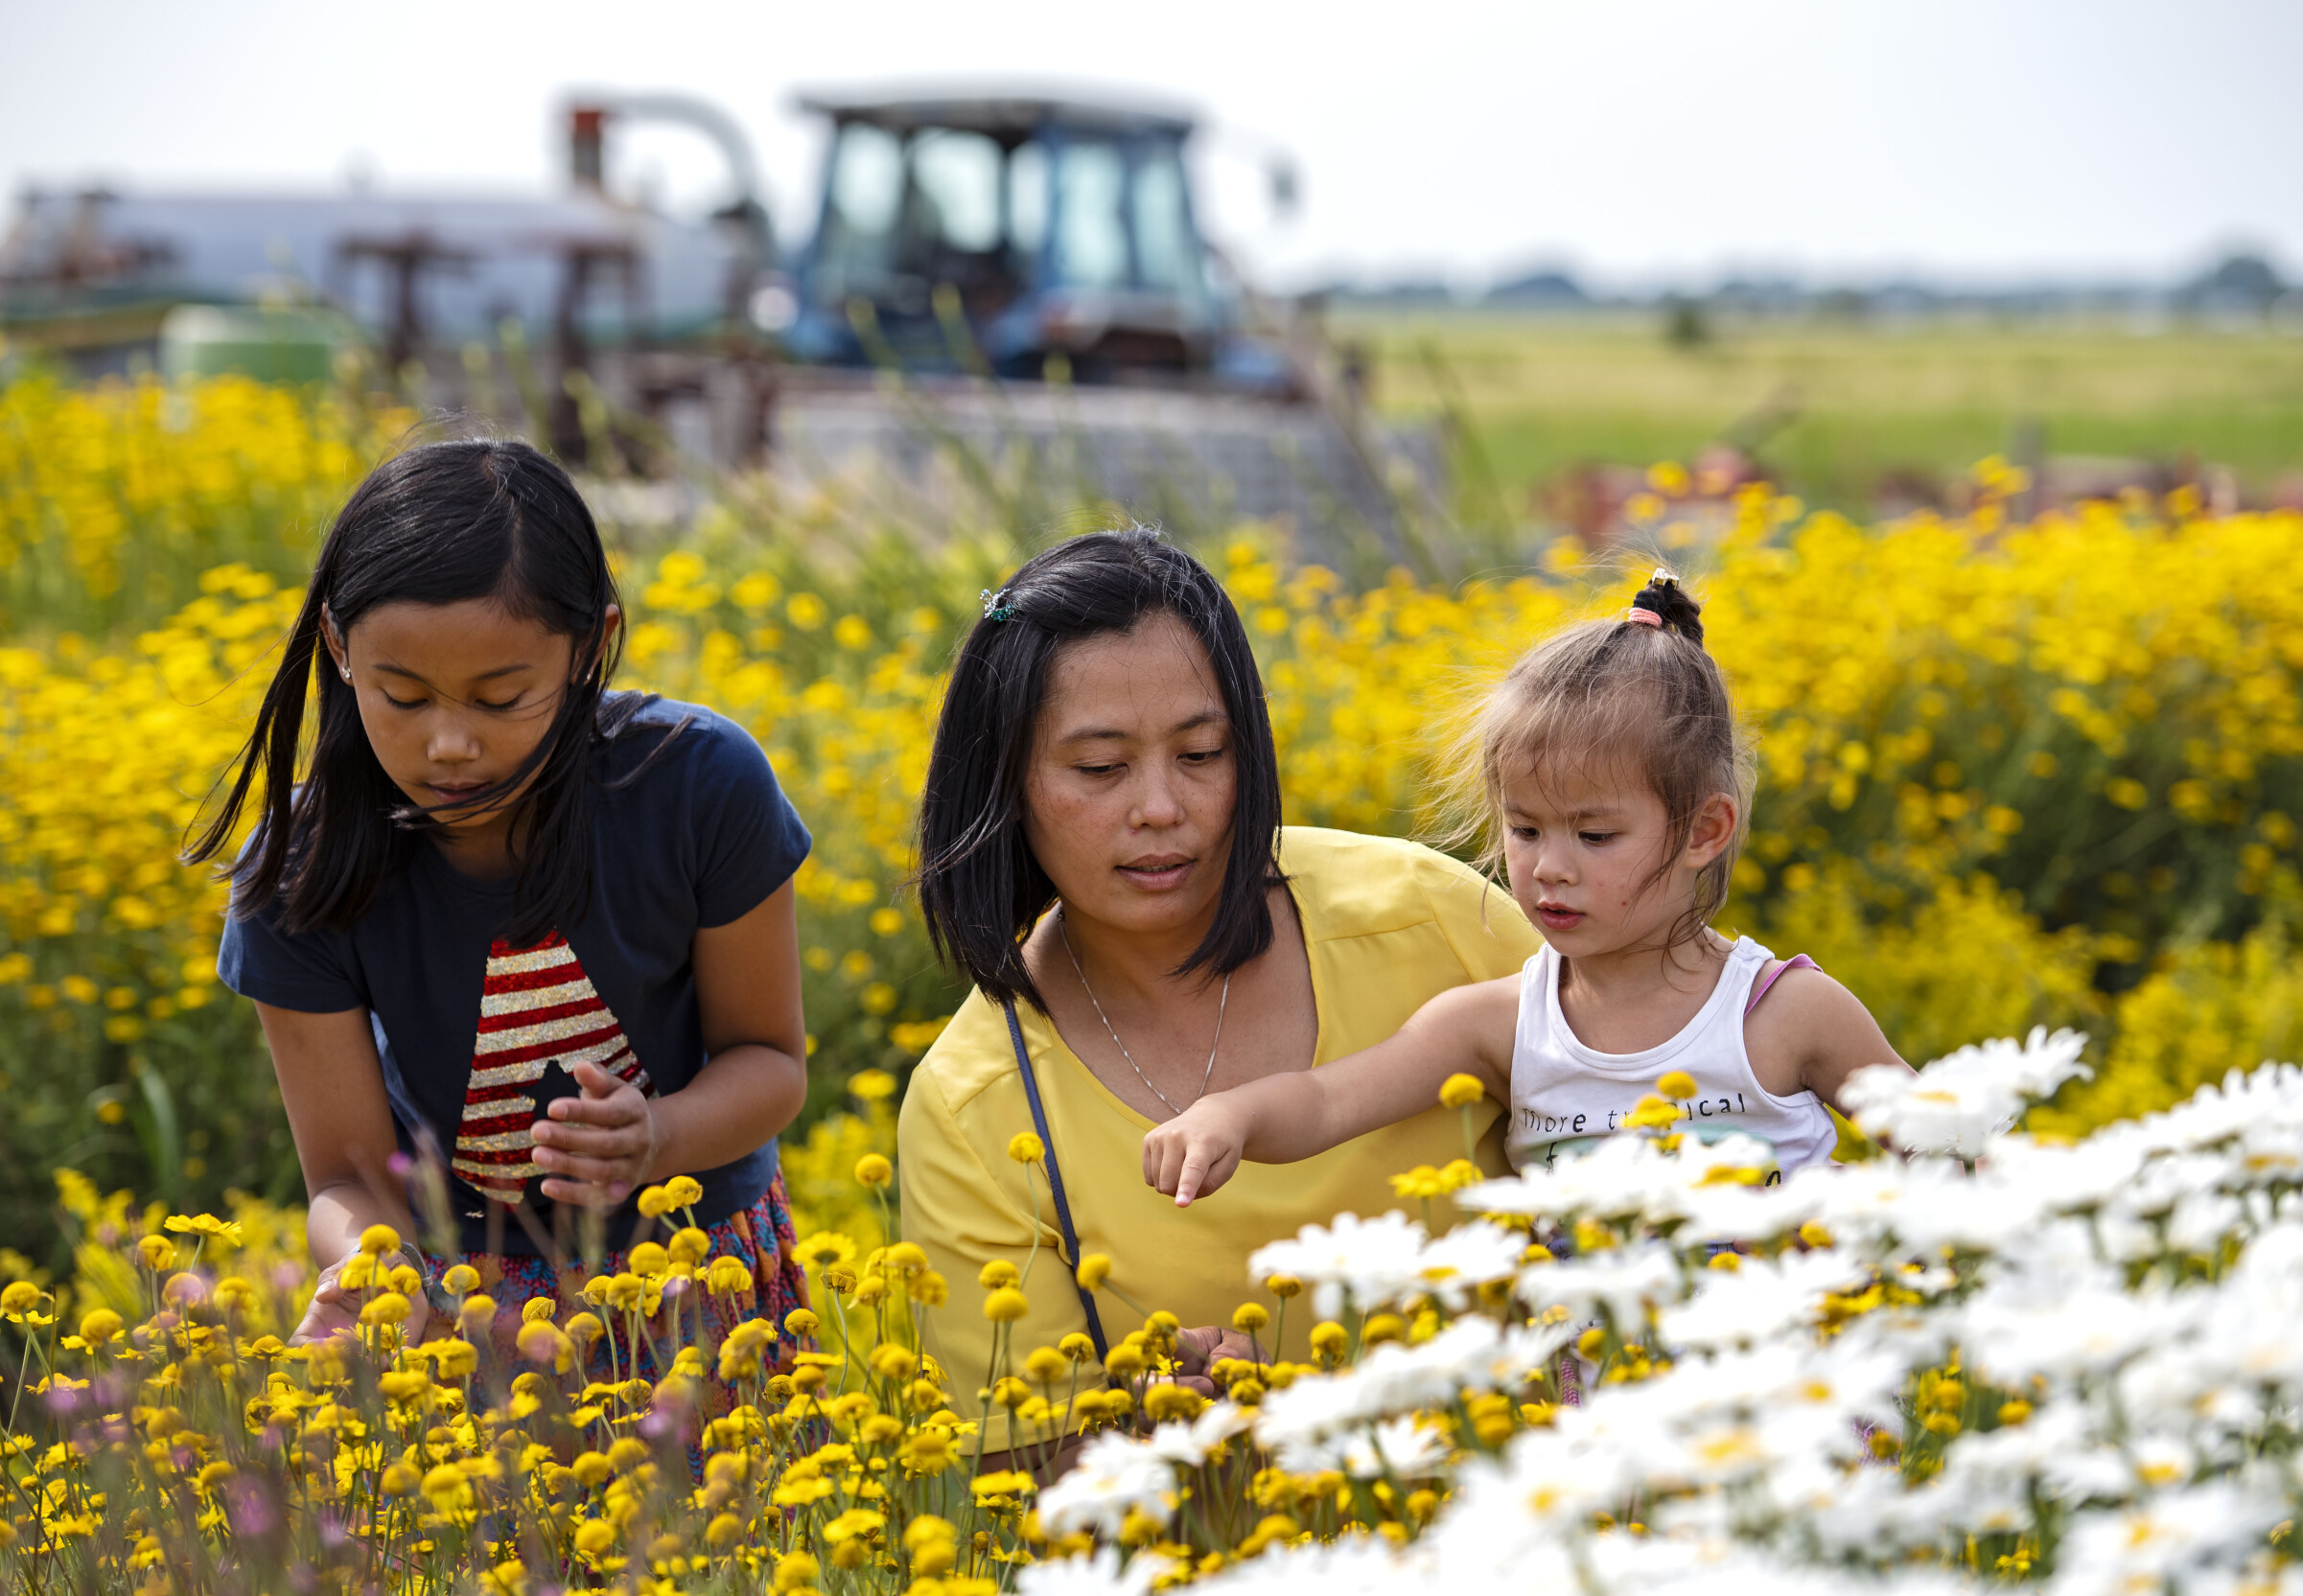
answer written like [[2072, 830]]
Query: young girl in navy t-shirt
[[520, 945]]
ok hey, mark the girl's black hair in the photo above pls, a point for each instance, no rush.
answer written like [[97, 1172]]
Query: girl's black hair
[[980, 887], [439, 524]]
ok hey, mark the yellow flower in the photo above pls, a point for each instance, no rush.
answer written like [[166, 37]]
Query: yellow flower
[[1651, 1113], [683, 1190], [1005, 1304], [1024, 1148], [999, 1272], [1095, 1268], [1676, 1086], [824, 1249], [99, 1327], [1461, 1091], [874, 1170], [376, 1241]]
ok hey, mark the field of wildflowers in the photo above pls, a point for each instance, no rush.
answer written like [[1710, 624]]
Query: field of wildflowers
[[2007, 1358], [2013, 775]]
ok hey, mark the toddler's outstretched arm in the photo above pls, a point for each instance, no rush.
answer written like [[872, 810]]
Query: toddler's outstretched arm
[[1300, 1113]]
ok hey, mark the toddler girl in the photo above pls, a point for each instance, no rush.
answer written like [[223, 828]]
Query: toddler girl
[[1615, 790]]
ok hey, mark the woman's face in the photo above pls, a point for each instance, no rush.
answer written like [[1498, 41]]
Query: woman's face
[[1128, 804]]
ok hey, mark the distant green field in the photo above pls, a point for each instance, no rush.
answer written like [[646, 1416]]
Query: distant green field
[[1542, 393]]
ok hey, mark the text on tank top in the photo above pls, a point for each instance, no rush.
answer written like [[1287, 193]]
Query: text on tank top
[[1566, 1096]]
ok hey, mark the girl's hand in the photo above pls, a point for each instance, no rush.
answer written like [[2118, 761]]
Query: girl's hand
[[1196, 1152], [595, 1148], [334, 1311]]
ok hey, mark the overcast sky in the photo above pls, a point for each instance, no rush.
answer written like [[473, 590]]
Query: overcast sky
[[1636, 141]]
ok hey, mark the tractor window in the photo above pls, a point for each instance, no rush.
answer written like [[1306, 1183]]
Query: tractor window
[[867, 180], [1167, 254], [956, 183], [1028, 198], [1091, 231]]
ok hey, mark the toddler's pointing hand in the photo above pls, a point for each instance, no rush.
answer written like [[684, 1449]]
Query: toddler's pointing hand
[[1196, 1151]]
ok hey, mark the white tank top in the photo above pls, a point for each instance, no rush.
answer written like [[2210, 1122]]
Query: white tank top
[[1566, 1096]]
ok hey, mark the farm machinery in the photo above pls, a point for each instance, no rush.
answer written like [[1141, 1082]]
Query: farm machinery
[[1012, 287]]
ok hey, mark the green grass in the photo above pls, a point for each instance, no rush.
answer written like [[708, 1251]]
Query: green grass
[[1544, 393]]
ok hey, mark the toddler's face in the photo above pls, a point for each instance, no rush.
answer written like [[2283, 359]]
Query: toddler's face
[[1581, 845]]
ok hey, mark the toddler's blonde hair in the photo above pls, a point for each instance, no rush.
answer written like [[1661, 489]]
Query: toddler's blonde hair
[[1623, 695]]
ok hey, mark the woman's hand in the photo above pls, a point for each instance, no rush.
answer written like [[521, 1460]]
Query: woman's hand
[[1196, 1152], [335, 1309], [595, 1148]]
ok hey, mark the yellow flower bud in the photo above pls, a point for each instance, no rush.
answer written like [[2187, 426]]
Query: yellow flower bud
[[649, 1259], [1006, 1305], [1095, 1268], [592, 1469], [390, 1308], [99, 1327], [874, 1171], [1461, 1091], [996, 1274], [1249, 1317], [378, 1239], [1026, 1149], [1677, 1085]]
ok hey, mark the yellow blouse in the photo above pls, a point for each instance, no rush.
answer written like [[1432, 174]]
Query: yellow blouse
[[1388, 925]]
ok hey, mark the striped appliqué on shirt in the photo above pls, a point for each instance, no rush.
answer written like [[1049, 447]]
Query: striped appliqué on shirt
[[537, 1009]]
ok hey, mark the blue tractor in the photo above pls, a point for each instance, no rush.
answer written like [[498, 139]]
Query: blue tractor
[[1028, 236]]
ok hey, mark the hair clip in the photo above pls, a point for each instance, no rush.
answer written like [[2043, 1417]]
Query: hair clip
[[996, 606], [1661, 578]]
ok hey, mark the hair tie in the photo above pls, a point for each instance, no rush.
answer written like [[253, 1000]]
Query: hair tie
[[1643, 617], [996, 606]]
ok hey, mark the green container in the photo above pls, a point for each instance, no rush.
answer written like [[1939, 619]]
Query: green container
[[284, 343]]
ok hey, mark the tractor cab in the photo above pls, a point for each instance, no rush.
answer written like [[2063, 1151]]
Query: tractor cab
[[1042, 237]]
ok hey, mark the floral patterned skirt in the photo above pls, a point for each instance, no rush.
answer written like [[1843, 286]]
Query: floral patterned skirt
[[759, 1236]]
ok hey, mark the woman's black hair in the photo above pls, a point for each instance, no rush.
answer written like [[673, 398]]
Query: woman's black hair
[[980, 887], [441, 523]]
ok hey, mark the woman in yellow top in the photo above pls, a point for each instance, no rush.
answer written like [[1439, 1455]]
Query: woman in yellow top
[[1101, 852]]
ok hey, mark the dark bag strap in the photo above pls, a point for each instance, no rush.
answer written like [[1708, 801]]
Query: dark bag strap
[[1063, 1208]]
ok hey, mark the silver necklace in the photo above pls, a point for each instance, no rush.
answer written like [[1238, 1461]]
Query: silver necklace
[[1222, 1003]]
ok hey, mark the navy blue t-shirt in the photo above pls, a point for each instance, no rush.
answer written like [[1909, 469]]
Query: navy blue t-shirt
[[476, 1036]]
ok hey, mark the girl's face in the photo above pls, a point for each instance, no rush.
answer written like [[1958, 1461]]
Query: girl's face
[[454, 697], [1581, 845], [1128, 802]]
